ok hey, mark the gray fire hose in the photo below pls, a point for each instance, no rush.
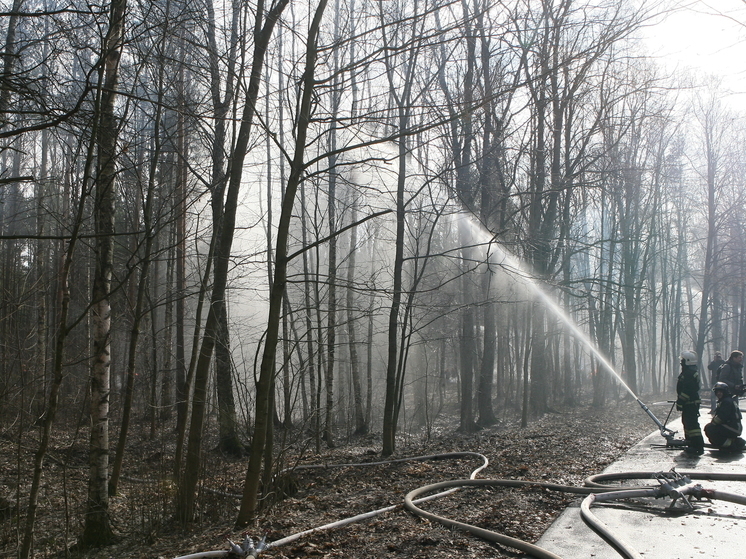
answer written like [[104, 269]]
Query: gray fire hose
[[677, 486], [251, 550], [595, 480], [670, 484]]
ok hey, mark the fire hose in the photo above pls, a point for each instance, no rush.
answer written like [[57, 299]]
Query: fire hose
[[251, 549], [678, 486], [671, 484]]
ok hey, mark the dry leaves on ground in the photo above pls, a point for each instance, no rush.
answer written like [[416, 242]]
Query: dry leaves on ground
[[563, 447]]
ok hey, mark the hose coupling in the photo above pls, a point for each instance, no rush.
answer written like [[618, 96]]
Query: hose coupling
[[248, 548]]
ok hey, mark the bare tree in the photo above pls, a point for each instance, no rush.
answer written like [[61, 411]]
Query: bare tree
[[401, 89], [229, 441], [97, 529], [715, 123], [263, 27], [277, 293]]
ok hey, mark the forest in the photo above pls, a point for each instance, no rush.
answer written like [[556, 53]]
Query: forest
[[263, 229]]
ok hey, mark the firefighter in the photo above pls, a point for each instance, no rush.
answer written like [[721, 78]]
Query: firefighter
[[725, 428], [687, 402], [730, 373]]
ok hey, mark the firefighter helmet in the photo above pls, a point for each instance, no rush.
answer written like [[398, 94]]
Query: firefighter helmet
[[688, 358], [722, 387]]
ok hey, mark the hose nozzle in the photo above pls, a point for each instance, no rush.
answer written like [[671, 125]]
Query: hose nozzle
[[666, 433]]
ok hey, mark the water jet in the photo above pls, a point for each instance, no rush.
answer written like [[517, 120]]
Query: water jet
[[498, 255]]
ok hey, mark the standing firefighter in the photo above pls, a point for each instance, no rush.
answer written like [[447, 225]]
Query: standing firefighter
[[731, 373], [724, 429], [687, 402]]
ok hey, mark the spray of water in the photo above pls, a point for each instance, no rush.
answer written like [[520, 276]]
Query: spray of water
[[512, 265]]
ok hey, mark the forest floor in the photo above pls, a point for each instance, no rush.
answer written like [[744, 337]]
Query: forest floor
[[564, 446]]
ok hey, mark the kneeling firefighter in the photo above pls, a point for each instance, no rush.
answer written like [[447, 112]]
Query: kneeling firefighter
[[725, 428], [688, 401]]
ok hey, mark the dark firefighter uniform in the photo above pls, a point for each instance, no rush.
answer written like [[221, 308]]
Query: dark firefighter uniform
[[687, 402], [725, 428]]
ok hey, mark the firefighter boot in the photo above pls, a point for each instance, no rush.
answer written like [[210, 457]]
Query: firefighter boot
[[695, 446], [733, 445]]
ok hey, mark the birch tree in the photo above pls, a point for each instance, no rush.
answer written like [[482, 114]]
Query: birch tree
[[98, 529]]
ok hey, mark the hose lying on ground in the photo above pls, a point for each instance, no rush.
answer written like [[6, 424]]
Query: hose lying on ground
[[670, 484], [676, 485], [596, 479], [250, 550]]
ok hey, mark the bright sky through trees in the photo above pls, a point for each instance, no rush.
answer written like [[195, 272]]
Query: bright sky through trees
[[706, 38]]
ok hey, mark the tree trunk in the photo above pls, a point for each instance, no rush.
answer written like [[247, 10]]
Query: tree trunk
[[228, 441], [277, 293], [467, 340], [394, 369], [167, 378], [332, 264], [138, 312], [331, 330], [9, 62], [188, 485], [392, 397], [63, 330], [98, 529], [361, 427], [310, 331], [710, 263], [183, 386], [487, 370]]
